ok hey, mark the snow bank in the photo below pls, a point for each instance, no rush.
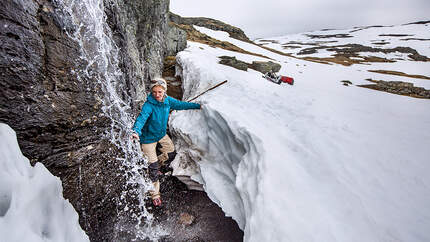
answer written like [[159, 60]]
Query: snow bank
[[31, 204], [317, 161]]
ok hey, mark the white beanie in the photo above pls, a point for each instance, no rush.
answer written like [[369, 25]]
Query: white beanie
[[158, 81]]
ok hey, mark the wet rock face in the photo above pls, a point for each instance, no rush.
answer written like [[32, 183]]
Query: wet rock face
[[51, 111], [139, 29], [176, 40], [58, 114]]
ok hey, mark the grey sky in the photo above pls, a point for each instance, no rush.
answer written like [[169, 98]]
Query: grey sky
[[273, 18]]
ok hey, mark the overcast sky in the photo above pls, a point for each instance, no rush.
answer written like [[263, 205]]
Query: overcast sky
[[269, 18]]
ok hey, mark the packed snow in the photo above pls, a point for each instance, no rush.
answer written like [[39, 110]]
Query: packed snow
[[316, 161], [32, 207]]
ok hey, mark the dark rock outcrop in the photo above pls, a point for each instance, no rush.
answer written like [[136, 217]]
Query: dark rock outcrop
[[209, 23], [260, 66], [233, 62], [398, 87], [265, 66], [176, 40]]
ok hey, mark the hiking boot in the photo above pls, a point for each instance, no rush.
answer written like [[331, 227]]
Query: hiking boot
[[156, 201]]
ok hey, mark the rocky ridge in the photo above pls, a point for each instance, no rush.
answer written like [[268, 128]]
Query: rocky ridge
[[209, 23]]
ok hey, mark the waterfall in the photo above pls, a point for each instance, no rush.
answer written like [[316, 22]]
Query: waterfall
[[98, 49]]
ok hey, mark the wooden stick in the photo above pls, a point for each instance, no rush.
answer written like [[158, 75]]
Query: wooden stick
[[217, 85]]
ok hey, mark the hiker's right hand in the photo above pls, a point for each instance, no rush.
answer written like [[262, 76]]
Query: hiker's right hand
[[134, 136]]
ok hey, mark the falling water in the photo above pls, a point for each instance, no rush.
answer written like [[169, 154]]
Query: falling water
[[101, 53]]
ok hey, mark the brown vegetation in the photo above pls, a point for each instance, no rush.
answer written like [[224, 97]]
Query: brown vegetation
[[345, 60], [399, 73]]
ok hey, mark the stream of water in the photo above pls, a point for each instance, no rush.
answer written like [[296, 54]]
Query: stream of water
[[101, 53]]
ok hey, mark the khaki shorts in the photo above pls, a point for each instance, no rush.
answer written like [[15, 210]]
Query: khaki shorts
[[166, 147]]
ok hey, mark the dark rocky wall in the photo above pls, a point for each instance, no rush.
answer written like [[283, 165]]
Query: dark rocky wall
[[58, 114]]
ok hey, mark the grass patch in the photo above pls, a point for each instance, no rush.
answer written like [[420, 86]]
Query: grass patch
[[346, 60], [399, 73]]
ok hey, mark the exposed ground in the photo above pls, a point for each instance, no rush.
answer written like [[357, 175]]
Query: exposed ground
[[192, 216]]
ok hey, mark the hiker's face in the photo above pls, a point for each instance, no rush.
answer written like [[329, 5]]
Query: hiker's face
[[158, 93]]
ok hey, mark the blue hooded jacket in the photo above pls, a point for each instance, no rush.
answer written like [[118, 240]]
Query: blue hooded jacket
[[151, 123]]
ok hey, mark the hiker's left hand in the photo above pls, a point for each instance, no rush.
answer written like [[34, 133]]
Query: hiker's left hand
[[134, 136]]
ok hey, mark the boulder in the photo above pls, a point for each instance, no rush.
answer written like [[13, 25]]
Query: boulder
[[233, 62], [186, 218], [264, 67]]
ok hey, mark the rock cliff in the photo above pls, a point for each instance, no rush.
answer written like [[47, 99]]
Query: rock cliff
[[54, 96], [73, 78]]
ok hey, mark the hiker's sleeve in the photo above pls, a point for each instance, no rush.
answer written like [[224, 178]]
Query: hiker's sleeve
[[141, 119], [180, 105]]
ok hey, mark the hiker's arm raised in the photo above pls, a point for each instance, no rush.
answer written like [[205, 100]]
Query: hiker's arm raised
[[180, 105]]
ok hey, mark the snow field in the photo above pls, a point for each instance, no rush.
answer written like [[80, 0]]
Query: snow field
[[32, 207], [316, 161]]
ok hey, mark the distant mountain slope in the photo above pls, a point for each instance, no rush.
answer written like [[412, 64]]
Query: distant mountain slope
[[401, 64], [357, 45]]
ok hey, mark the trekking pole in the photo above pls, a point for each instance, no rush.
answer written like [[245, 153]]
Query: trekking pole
[[217, 85]]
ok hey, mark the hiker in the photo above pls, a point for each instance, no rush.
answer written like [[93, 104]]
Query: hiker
[[271, 75], [150, 129]]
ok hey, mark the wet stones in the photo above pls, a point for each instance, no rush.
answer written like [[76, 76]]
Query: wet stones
[[186, 219]]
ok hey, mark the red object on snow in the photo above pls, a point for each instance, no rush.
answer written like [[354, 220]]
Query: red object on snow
[[287, 79]]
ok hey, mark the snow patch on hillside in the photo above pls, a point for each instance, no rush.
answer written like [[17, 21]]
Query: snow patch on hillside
[[317, 161]]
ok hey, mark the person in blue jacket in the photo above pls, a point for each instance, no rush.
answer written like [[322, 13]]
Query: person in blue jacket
[[150, 129]]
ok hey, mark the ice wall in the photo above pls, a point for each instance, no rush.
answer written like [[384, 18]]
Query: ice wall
[[32, 207]]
